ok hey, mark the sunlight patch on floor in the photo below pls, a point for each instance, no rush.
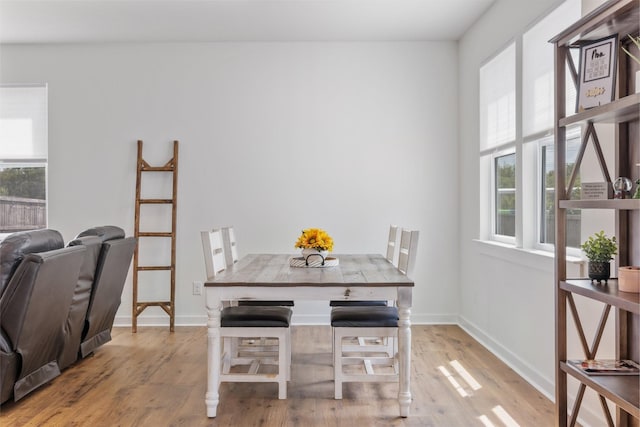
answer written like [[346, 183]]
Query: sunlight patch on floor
[[502, 415], [466, 375], [505, 417], [461, 391], [486, 421]]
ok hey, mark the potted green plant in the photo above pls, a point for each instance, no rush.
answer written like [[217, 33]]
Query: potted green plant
[[600, 250]]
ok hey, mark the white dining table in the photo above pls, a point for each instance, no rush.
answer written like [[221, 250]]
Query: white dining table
[[270, 277]]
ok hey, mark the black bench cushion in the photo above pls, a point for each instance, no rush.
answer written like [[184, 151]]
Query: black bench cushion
[[364, 317], [249, 316]]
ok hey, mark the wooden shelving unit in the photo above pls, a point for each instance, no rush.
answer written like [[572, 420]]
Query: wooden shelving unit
[[620, 17], [625, 204], [604, 292], [618, 111]]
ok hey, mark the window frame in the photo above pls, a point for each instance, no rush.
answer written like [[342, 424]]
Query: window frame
[[36, 161], [503, 238], [542, 143], [530, 202]]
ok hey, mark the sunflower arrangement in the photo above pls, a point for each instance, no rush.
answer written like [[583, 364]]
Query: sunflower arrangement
[[315, 238]]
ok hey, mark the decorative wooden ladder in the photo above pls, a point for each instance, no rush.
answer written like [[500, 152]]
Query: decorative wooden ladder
[[168, 306]]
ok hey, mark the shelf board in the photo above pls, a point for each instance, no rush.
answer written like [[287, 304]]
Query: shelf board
[[621, 204], [620, 110], [607, 19], [606, 292], [622, 390]]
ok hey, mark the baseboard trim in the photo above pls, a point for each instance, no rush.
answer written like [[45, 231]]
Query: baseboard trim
[[297, 319]]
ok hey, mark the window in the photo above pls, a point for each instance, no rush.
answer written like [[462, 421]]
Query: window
[[498, 100], [497, 138], [547, 191], [505, 195], [538, 112], [23, 158], [516, 89]]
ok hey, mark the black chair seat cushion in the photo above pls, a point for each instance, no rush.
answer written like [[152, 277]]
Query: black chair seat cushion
[[248, 316], [357, 303], [260, 303], [364, 317]]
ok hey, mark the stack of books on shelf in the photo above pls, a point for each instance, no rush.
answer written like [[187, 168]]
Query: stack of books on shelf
[[606, 367]]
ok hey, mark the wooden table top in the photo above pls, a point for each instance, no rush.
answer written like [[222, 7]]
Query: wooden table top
[[273, 270]]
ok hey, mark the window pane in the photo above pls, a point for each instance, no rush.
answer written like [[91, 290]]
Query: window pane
[[537, 69], [22, 198], [505, 195], [547, 223], [498, 99], [23, 157], [23, 122]]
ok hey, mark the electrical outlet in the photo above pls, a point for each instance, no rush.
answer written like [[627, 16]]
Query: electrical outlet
[[197, 288]]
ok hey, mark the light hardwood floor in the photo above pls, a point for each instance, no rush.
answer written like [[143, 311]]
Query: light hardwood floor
[[158, 378]]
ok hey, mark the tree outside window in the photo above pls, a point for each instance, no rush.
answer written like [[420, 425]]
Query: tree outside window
[[505, 196]]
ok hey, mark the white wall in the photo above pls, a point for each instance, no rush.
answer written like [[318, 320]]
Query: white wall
[[507, 295], [350, 137]]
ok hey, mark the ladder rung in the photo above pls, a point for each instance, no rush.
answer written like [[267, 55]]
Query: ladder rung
[[155, 234], [165, 305], [154, 303], [157, 169], [154, 268], [156, 201]]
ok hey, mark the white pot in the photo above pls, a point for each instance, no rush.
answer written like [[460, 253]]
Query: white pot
[[314, 253]]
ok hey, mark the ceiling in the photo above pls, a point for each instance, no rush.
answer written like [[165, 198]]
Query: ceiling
[[86, 21]]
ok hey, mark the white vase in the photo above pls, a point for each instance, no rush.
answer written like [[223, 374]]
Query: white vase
[[313, 253]]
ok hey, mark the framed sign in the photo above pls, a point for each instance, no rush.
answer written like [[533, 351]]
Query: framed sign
[[597, 73]]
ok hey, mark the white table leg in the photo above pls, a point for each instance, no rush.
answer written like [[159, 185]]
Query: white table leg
[[404, 350], [214, 306]]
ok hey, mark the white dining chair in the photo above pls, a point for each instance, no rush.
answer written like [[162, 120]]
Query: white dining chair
[[214, 260], [247, 364], [407, 252], [392, 244], [391, 256], [354, 361], [230, 246]]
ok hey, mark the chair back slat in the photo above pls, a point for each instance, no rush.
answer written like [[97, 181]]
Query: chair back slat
[[392, 244], [230, 247], [212, 248], [407, 253]]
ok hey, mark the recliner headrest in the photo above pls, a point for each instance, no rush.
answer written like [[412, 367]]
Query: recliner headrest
[[15, 246], [105, 232], [85, 241]]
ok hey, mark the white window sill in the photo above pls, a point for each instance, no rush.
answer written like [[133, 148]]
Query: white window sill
[[532, 258]]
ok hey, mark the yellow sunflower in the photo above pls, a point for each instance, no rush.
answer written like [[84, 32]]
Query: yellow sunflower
[[315, 238]]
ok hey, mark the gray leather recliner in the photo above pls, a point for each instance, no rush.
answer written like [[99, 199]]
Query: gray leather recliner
[[37, 280], [75, 323], [111, 273]]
